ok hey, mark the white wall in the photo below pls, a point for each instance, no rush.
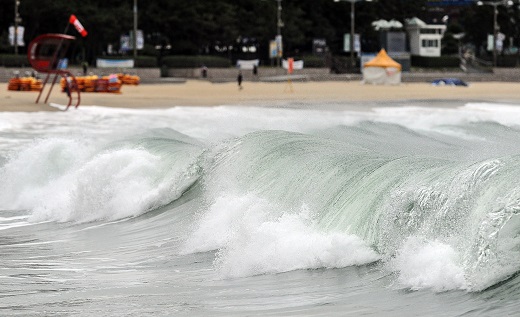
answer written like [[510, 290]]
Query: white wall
[[416, 41]]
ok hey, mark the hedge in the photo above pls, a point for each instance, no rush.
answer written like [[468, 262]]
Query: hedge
[[311, 61], [185, 61], [146, 61], [435, 62], [11, 60], [20, 60], [507, 61]]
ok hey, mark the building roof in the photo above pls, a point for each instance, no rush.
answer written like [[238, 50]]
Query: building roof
[[384, 24], [415, 21]]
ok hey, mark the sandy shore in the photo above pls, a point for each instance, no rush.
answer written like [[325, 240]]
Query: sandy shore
[[201, 93]]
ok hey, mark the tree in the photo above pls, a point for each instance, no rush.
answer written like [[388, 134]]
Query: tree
[[198, 26]]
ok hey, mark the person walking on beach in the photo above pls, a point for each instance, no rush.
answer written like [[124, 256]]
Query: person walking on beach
[[239, 80], [85, 68]]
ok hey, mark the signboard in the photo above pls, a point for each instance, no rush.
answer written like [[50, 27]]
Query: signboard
[[279, 45], [319, 46], [114, 63], [140, 40], [273, 51], [125, 43], [19, 36], [499, 44], [249, 64], [346, 43]]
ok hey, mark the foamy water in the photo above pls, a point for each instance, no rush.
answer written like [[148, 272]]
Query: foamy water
[[250, 210]]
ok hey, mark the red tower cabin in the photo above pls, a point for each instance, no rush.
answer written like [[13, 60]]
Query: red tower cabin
[[46, 53]]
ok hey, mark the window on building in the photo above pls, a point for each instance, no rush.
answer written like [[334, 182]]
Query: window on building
[[430, 43]]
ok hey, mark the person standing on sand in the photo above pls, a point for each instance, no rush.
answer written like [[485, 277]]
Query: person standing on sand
[[84, 65], [239, 80]]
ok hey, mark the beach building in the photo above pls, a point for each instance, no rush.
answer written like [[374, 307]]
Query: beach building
[[392, 38], [425, 39]]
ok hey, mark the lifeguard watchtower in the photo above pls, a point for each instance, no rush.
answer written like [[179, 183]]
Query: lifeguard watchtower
[[46, 53]]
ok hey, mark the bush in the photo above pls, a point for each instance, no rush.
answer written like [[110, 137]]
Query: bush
[[11, 60], [311, 61], [145, 61], [184, 61], [507, 61], [342, 64], [435, 62]]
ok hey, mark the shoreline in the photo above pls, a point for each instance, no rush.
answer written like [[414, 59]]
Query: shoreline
[[348, 95]]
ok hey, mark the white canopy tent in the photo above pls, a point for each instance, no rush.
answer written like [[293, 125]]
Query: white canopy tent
[[382, 70]]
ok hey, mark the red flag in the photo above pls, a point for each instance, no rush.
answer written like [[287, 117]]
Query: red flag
[[290, 67], [73, 20]]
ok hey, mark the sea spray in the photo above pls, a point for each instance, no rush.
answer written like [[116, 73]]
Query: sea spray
[[253, 237], [383, 199], [27, 173], [65, 181], [423, 264], [429, 192]]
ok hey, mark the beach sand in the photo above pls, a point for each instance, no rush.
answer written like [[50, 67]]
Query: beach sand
[[202, 93]]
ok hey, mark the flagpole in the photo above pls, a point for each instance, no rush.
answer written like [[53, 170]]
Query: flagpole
[[66, 28], [60, 44], [17, 20], [135, 29]]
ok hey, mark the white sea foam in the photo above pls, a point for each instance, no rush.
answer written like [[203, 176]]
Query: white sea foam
[[427, 264], [26, 175], [426, 118], [255, 237], [63, 180], [13, 222]]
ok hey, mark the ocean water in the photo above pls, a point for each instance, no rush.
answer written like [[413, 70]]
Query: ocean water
[[403, 209]]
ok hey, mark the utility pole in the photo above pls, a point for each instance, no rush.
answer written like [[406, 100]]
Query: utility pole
[[352, 29], [279, 26], [495, 33], [135, 29], [496, 28], [352, 33], [17, 20]]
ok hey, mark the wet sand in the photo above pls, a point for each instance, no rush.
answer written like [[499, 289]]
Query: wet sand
[[202, 93]]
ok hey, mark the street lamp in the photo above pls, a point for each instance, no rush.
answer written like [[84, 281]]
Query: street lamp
[[135, 29], [279, 26], [352, 23], [495, 4], [17, 20]]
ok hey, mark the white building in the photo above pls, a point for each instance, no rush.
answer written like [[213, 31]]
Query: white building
[[425, 39]]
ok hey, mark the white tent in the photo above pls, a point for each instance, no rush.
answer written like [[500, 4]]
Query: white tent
[[296, 64], [382, 70]]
